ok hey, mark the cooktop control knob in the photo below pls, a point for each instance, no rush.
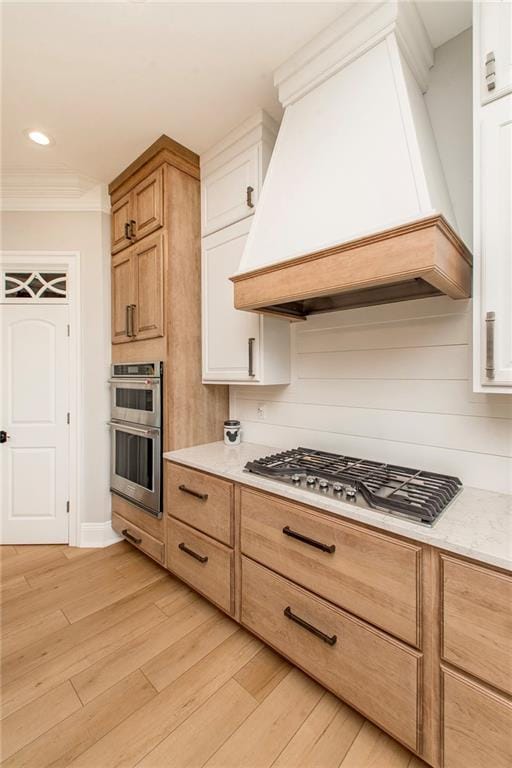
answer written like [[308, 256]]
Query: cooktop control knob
[[296, 478], [323, 484], [310, 480], [350, 492], [337, 488]]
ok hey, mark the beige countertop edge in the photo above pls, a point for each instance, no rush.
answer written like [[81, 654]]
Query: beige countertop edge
[[477, 525]]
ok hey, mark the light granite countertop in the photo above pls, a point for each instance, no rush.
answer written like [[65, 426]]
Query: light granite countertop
[[478, 524]]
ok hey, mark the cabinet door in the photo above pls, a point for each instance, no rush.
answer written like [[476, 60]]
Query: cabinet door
[[477, 723], [230, 193], [149, 277], [121, 215], [227, 332], [148, 204], [496, 242], [495, 26], [123, 296]]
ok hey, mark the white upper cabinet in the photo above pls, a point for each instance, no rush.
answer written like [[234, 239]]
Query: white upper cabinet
[[492, 309], [493, 21], [238, 347], [232, 173]]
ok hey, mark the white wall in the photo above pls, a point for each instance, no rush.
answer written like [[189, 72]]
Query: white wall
[[89, 233], [390, 383], [449, 103]]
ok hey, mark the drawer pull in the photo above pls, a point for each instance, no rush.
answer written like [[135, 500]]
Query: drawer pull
[[329, 639], [126, 533], [306, 540], [202, 496], [184, 548]]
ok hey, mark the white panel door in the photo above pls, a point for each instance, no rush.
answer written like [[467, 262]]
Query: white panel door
[[495, 45], [227, 332], [34, 406], [230, 193]]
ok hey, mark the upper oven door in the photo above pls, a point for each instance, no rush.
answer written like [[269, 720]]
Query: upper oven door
[[136, 401]]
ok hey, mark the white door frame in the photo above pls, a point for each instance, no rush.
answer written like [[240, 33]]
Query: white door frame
[[68, 261]]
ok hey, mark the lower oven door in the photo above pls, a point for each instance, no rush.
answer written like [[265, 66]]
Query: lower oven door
[[135, 465]]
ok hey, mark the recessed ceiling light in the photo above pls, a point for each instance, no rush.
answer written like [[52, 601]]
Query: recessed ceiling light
[[39, 138]]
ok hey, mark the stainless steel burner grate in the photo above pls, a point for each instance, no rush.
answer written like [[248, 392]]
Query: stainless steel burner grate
[[414, 493]]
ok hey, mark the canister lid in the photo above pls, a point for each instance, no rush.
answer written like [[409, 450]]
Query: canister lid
[[232, 423]]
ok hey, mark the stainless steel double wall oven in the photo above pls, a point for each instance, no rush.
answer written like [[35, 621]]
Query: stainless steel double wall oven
[[136, 434]]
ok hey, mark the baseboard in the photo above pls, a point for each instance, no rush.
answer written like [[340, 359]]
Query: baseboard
[[98, 535]]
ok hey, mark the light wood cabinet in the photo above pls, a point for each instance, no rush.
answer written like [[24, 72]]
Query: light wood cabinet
[[137, 291], [369, 670], [139, 212], [337, 561], [138, 537], [477, 725], [238, 347], [148, 258], [202, 501], [124, 296], [148, 204], [121, 215], [477, 621], [203, 563]]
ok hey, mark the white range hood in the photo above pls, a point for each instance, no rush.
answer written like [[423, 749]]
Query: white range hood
[[355, 208]]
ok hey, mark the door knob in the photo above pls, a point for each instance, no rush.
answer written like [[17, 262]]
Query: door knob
[[4, 437]]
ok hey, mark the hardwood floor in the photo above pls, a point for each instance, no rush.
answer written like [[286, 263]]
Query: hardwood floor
[[108, 661]]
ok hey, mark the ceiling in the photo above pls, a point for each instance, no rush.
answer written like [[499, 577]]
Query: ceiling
[[106, 79]]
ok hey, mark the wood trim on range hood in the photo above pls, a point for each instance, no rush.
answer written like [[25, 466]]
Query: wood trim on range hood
[[421, 258]]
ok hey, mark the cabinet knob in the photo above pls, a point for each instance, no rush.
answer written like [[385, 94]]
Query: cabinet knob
[[249, 201]]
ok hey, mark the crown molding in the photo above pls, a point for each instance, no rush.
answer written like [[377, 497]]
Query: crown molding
[[361, 27], [52, 190]]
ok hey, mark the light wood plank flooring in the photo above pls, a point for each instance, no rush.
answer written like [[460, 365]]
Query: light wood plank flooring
[[108, 661]]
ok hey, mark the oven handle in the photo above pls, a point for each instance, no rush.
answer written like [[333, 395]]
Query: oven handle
[[147, 382], [129, 428]]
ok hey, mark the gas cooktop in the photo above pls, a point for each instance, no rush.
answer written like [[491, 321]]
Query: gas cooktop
[[411, 493]]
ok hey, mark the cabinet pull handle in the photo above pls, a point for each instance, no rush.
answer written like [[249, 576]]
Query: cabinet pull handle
[[490, 71], [490, 322], [128, 319], [126, 533], [132, 319], [184, 548], [329, 639], [306, 540], [201, 496], [132, 229], [127, 230], [251, 356], [248, 199]]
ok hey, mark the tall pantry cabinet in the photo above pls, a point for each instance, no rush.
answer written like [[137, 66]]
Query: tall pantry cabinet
[[156, 305], [492, 105]]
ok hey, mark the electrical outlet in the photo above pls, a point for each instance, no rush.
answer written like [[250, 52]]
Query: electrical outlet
[[260, 411]]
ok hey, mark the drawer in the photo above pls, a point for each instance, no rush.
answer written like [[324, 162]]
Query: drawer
[[200, 500], [477, 725], [477, 621], [224, 192], [140, 538], [375, 673], [135, 515], [369, 574], [202, 562]]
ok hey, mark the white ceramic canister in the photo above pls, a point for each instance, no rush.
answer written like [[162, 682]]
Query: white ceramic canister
[[232, 432]]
